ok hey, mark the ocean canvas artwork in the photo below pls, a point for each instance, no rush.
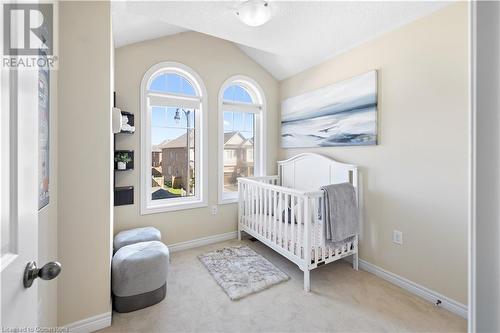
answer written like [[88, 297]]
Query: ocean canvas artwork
[[341, 114]]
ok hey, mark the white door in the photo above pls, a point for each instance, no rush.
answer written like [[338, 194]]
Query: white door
[[19, 196]]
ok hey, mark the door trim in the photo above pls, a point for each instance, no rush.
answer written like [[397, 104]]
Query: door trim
[[471, 323]]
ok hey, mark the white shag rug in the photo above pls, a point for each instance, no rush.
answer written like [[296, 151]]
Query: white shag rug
[[241, 271]]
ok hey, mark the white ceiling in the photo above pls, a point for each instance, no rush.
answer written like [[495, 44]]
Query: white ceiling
[[130, 27], [300, 35]]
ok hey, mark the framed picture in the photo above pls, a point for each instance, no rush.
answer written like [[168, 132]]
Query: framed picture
[[341, 114], [43, 136]]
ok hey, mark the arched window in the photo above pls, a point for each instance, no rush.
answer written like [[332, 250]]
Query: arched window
[[241, 134], [173, 139]]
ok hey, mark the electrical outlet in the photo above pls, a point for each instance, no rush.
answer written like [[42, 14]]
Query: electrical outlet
[[214, 210], [397, 237]]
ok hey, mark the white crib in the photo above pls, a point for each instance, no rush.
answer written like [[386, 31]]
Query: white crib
[[295, 232]]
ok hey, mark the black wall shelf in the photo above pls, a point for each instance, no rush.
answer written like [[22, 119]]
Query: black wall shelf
[[130, 165], [123, 195], [131, 122]]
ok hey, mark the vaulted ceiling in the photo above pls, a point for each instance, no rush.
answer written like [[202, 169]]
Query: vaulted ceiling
[[300, 34]]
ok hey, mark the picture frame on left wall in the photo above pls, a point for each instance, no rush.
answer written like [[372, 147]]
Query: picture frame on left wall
[[43, 136]]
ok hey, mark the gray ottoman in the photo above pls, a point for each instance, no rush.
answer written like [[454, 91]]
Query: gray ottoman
[[139, 275], [136, 235]]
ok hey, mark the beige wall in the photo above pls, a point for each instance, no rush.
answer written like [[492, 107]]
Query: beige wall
[[215, 60], [84, 160], [415, 180]]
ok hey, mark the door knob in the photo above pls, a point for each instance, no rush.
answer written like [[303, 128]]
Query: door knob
[[49, 271]]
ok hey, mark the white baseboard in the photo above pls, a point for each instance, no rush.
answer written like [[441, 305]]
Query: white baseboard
[[91, 324], [416, 289], [202, 241]]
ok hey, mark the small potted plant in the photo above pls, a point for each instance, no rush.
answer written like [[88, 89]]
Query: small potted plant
[[122, 159]]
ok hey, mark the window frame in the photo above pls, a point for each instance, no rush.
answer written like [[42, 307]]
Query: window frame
[[198, 102], [258, 108]]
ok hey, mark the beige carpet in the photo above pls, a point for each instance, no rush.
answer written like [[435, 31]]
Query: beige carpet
[[342, 300]]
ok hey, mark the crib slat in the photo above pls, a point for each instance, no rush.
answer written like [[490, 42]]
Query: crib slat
[[267, 214], [256, 200], [241, 198], [249, 203], [240, 203], [245, 203], [257, 208], [254, 203], [270, 215], [292, 225], [250, 207], [266, 217], [249, 212], [275, 239], [261, 210], [315, 230], [287, 218], [280, 218], [264, 213], [307, 230], [268, 220], [312, 230], [300, 220]]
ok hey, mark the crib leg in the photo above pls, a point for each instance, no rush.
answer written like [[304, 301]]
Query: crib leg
[[239, 234], [355, 261], [307, 281]]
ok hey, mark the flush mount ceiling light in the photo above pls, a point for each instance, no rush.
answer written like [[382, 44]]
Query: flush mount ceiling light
[[254, 12]]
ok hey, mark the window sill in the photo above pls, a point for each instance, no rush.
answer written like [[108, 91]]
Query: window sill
[[172, 207]]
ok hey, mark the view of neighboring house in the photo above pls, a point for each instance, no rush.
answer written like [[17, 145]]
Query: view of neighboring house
[[238, 159], [169, 163], [169, 167], [174, 159], [156, 157], [156, 170]]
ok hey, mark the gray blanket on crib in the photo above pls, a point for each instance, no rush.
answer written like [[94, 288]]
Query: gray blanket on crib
[[341, 213]]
